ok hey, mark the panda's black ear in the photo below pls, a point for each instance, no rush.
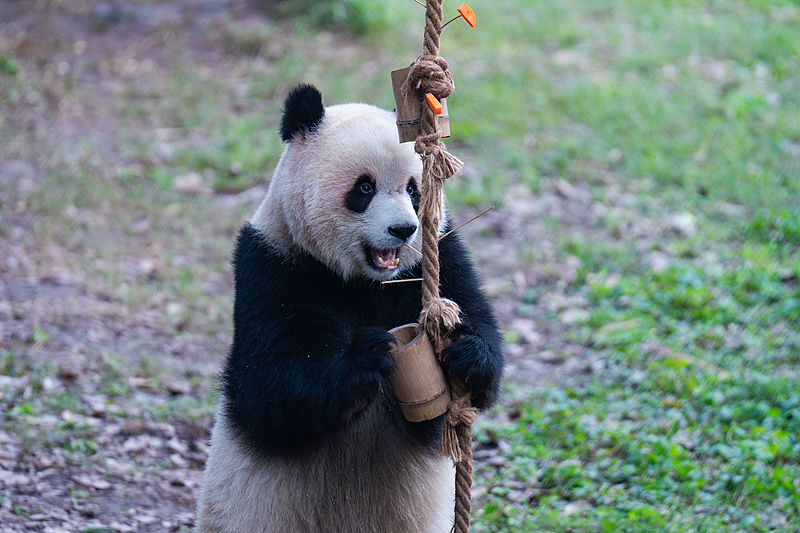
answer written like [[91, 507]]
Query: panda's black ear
[[302, 111]]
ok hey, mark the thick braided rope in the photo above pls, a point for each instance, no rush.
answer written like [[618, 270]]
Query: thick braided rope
[[440, 315], [457, 443], [433, 27], [429, 74]]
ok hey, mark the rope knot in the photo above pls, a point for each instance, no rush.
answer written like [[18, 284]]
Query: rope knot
[[459, 416], [429, 74], [462, 412], [438, 318], [442, 164]]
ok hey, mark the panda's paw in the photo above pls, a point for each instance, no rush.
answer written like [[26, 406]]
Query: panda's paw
[[369, 352], [368, 365], [470, 360]]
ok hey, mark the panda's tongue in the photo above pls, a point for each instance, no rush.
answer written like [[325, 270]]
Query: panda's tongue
[[386, 259]]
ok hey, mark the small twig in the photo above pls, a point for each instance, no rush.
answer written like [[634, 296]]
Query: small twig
[[465, 223], [399, 280], [452, 230], [446, 23], [449, 21]]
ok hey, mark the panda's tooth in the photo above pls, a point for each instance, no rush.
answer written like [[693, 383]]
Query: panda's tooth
[[385, 258]]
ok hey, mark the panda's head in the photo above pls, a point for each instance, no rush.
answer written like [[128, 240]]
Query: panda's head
[[345, 190]]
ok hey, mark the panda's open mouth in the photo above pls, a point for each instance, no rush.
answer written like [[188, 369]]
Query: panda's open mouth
[[383, 259]]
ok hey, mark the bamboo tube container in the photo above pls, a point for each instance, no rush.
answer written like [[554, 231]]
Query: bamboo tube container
[[418, 381], [409, 111]]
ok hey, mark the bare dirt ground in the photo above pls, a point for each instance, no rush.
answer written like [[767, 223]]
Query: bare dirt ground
[[101, 388]]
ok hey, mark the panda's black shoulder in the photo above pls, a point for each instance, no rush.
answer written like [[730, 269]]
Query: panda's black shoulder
[[264, 278], [249, 245], [267, 278], [254, 261]]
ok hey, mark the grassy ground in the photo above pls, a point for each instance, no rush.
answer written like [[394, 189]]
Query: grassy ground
[[691, 291], [643, 257]]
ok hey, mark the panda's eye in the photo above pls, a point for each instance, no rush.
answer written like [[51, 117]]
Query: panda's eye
[[413, 192], [360, 195]]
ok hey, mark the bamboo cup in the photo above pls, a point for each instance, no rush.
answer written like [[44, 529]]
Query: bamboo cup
[[418, 381], [409, 111]]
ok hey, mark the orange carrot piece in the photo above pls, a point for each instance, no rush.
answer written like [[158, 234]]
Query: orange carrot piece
[[434, 103], [468, 14]]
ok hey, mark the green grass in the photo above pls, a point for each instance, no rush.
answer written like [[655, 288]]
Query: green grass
[[699, 95], [8, 66], [694, 425]]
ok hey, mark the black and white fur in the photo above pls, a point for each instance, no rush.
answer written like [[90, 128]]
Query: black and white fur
[[308, 435]]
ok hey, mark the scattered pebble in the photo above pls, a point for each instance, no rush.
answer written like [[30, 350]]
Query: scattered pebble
[[192, 184]]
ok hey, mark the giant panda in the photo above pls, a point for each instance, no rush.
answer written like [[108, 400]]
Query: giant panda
[[308, 434]]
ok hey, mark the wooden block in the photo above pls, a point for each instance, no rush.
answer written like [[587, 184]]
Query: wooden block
[[409, 110], [418, 381]]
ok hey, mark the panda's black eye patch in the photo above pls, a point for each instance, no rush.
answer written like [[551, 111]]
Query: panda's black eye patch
[[360, 194], [414, 193]]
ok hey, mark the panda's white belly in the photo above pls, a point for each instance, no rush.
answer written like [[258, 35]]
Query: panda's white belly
[[359, 482]]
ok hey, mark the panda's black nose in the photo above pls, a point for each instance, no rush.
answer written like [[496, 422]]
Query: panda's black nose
[[402, 232]]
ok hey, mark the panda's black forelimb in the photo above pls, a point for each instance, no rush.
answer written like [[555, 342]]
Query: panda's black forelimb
[[309, 352], [371, 366], [476, 354], [468, 360]]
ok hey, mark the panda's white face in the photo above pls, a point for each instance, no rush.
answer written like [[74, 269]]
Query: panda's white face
[[347, 194]]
